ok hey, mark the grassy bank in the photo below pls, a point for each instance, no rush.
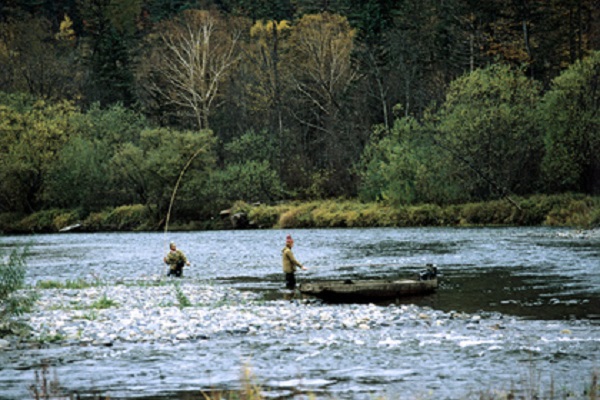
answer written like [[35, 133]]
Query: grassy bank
[[572, 210], [564, 210]]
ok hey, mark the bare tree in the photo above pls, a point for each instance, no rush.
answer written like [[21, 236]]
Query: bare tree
[[196, 52], [322, 74]]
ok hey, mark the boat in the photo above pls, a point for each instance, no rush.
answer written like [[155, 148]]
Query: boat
[[70, 228], [371, 290]]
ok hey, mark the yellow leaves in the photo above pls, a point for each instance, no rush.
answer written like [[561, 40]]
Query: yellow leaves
[[37, 133], [324, 44], [66, 32], [262, 29]]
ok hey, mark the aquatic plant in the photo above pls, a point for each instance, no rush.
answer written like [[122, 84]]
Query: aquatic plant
[[51, 338], [182, 298], [91, 316], [104, 302], [68, 284]]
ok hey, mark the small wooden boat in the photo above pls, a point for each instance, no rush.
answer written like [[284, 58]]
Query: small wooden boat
[[70, 228], [371, 290]]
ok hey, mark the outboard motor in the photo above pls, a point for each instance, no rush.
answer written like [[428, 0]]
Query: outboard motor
[[429, 273]]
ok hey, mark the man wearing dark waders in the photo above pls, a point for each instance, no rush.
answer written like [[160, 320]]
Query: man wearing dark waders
[[176, 261], [290, 263]]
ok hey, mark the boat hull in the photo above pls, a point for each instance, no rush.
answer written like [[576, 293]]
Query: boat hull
[[367, 290]]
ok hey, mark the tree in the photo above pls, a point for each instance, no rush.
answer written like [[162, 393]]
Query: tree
[[79, 178], [110, 27], [248, 173], [192, 60], [37, 62], [571, 121], [487, 126], [399, 167], [34, 132], [267, 87], [374, 21], [322, 73], [148, 172]]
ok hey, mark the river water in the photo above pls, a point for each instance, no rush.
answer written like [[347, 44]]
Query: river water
[[530, 296]]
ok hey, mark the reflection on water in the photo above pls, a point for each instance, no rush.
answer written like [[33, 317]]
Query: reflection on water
[[532, 296]]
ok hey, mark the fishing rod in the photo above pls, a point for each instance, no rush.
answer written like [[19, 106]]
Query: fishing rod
[[181, 173]]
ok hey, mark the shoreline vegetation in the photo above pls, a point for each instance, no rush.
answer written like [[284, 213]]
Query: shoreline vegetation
[[565, 210]]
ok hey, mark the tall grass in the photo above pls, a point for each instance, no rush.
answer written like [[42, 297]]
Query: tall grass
[[560, 210], [575, 210]]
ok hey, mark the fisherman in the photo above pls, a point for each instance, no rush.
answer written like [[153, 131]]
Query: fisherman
[[175, 260], [290, 263]]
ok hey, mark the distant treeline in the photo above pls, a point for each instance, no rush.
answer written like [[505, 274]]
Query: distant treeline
[[112, 103]]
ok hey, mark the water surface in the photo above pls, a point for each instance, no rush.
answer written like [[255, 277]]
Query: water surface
[[536, 289]]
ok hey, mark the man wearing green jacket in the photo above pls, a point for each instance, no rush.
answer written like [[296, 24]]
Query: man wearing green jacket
[[175, 260], [290, 263]]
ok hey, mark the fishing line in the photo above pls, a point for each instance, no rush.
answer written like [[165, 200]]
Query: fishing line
[[181, 173]]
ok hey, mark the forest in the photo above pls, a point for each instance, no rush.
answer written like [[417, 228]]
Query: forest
[[111, 103]]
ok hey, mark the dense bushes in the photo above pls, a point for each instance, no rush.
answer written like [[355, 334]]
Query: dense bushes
[[495, 134]]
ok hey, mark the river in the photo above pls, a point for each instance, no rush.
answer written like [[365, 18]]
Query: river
[[530, 299]]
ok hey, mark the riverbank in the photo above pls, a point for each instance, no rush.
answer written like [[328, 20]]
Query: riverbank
[[567, 210]]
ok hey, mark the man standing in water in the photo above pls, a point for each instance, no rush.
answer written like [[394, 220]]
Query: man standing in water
[[290, 263], [175, 260]]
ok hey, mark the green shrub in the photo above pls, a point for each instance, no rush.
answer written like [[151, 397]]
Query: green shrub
[[41, 221], [95, 222], [595, 216], [481, 214], [14, 301], [130, 217], [65, 219]]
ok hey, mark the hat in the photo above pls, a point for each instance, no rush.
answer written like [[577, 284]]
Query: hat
[[288, 239]]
